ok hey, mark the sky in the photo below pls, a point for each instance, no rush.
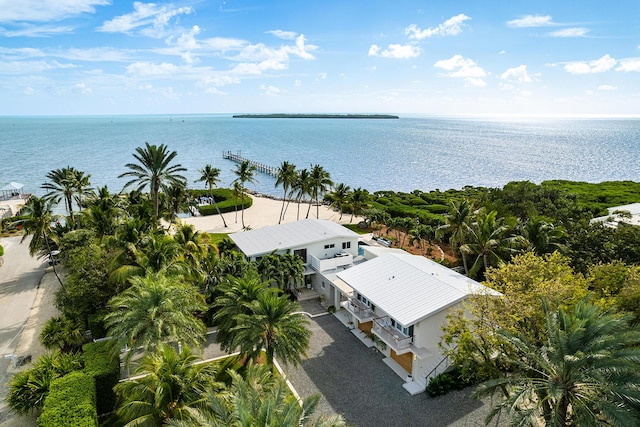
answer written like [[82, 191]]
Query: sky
[[407, 57]]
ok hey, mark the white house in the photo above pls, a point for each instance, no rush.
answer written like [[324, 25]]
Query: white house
[[403, 299], [325, 247]]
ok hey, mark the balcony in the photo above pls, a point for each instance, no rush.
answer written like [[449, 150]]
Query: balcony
[[396, 340], [361, 311], [340, 259]]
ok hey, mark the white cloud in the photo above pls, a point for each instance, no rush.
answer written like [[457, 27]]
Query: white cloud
[[518, 74], [629, 64], [569, 32], [451, 27], [297, 83], [600, 65], [301, 49], [28, 90], [150, 18], [322, 76], [531, 21], [257, 58], [27, 30], [83, 88], [46, 10], [460, 67], [397, 51], [285, 35], [271, 90], [151, 69], [607, 87]]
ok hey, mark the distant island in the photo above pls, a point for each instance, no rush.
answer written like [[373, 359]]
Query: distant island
[[314, 116]]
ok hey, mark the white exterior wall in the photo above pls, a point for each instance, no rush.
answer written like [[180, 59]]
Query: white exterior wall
[[317, 249], [427, 334]]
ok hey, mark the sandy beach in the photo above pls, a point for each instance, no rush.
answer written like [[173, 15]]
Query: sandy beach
[[264, 212]]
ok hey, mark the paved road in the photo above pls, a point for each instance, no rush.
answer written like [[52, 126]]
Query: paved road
[[19, 278]]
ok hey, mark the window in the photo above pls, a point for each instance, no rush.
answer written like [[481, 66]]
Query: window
[[332, 245], [346, 245], [322, 285], [302, 253]]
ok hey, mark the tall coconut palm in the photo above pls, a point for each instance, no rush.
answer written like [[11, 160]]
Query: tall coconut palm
[[82, 185], [286, 178], [237, 191], [358, 199], [175, 196], [156, 309], [319, 182], [62, 185], [36, 219], [419, 234], [487, 239], [166, 385], [542, 236], [301, 186], [272, 324], [245, 172], [341, 194], [586, 373], [154, 169], [456, 225], [103, 212], [211, 176]]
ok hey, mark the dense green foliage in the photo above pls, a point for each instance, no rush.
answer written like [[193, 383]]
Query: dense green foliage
[[102, 363], [597, 197], [28, 389], [444, 383], [71, 402]]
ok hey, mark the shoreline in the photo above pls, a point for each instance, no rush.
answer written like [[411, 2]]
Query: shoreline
[[265, 212]]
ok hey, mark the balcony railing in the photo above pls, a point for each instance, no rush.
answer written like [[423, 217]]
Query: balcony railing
[[395, 339], [339, 260], [361, 311]]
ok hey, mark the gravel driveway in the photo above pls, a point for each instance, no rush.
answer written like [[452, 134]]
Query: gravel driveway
[[355, 382]]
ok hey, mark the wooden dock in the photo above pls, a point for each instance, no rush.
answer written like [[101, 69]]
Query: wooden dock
[[260, 167]]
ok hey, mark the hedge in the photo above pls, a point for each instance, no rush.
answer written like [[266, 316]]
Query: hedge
[[71, 403], [102, 363], [226, 200]]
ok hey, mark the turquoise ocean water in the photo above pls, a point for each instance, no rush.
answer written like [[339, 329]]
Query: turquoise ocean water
[[401, 155]]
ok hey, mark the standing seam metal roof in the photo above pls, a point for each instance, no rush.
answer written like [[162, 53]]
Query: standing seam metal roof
[[408, 287], [289, 235]]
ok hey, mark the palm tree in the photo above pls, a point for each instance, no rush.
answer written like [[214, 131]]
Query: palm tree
[[210, 176], [586, 374], [488, 241], [358, 200], [166, 384], [260, 399], [274, 325], [175, 196], [103, 212], [156, 309], [420, 233], [234, 297], [153, 169], [237, 191], [286, 178], [457, 227], [61, 333], [82, 186], [301, 186], [245, 172], [341, 194], [319, 182], [542, 236], [61, 186]]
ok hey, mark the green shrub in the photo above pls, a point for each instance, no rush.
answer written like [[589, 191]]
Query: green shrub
[[102, 363], [28, 389], [95, 323], [71, 402], [331, 309], [444, 383], [226, 206], [1, 250]]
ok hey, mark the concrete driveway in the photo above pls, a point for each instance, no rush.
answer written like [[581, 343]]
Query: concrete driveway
[[355, 382]]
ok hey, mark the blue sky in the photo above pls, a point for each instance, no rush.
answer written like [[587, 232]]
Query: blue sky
[[464, 57]]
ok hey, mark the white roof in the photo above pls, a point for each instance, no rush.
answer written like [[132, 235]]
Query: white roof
[[409, 287], [377, 251], [12, 186], [289, 235]]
